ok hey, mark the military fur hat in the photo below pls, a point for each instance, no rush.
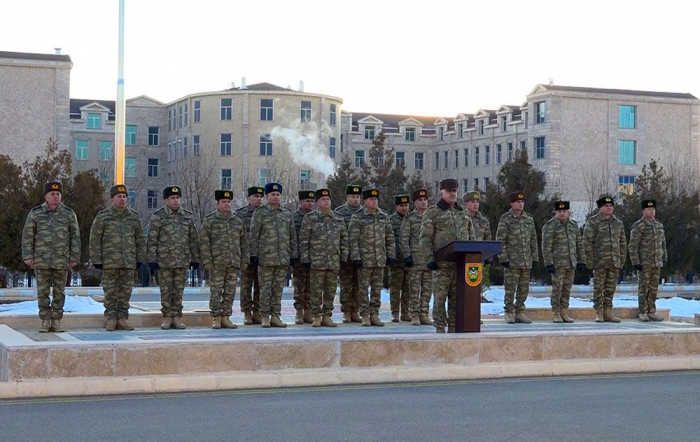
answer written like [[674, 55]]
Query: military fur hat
[[471, 196], [516, 196], [648, 203], [420, 193], [449, 184], [223, 195], [256, 190], [353, 189], [605, 200], [562, 205], [273, 187], [320, 193], [370, 193], [400, 199], [53, 186], [172, 190], [116, 190], [306, 195]]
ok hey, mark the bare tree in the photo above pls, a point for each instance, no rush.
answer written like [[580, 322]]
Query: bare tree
[[197, 176], [596, 181]]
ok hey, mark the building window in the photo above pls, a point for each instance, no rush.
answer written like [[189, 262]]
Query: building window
[[130, 167], [437, 160], [265, 145], [359, 158], [476, 183], [410, 134], [105, 150], [418, 160], [170, 120], [445, 160], [226, 108], [481, 127], [195, 145], [465, 185], [523, 145], [305, 111], [197, 111], [540, 109], [628, 152], [401, 159], [625, 184], [225, 144], [304, 178], [184, 147], [130, 135], [332, 118], [437, 187], [94, 121], [466, 157], [170, 153], [628, 117], [499, 154], [152, 199], [131, 198], [369, 132], [187, 107], [476, 156], [487, 155], [263, 177], [266, 109], [504, 124], [152, 167], [179, 117], [226, 179], [486, 183], [331, 148], [510, 151], [539, 148], [441, 131], [153, 135], [460, 130], [81, 150]]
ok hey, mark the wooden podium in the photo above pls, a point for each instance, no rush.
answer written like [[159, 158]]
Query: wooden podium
[[469, 257]]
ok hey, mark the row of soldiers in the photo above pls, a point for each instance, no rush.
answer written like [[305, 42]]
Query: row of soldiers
[[353, 244]]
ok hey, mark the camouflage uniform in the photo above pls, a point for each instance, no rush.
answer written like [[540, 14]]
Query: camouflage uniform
[[249, 274], [323, 242], [118, 244], [519, 248], [419, 276], [371, 241], [482, 232], [173, 242], [562, 247], [302, 289], [605, 247], [224, 249], [442, 225], [398, 273], [274, 241], [349, 275], [52, 239], [648, 249]]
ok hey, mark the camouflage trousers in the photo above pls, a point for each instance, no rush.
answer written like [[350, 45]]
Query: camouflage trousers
[[604, 285], [445, 288], [517, 287], [370, 278], [323, 286], [420, 291], [272, 280], [562, 280], [117, 285], [249, 278], [648, 289], [398, 289], [222, 290], [45, 279], [349, 286], [302, 289], [172, 286]]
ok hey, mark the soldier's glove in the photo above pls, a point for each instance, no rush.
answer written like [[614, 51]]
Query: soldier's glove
[[153, 266], [254, 261], [488, 261], [432, 265], [97, 266], [194, 265], [408, 261], [550, 268], [505, 264], [138, 265], [535, 264], [580, 266], [293, 261], [390, 261], [357, 263], [638, 267], [307, 265]]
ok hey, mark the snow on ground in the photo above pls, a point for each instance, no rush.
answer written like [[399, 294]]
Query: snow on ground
[[74, 304]]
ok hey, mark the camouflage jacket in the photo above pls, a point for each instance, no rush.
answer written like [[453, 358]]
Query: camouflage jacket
[[272, 236], [482, 228], [396, 222], [323, 240], [51, 237], [562, 245], [604, 242], [410, 240], [298, 218], [347, 212], [117, 240], [246, 214], [518, 240], [648, 244], [371, 238], [173, 240], [443, 224], [224, 241]]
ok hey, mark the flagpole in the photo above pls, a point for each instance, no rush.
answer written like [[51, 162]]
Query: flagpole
[[120, 123]]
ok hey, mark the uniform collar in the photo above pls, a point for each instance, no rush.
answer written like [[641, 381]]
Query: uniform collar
[[445, 206], [45, 207]]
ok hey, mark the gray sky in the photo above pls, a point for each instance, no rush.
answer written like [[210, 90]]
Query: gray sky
[[409, 57]]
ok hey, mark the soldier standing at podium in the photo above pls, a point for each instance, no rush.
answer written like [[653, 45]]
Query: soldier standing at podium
[[444, 223]]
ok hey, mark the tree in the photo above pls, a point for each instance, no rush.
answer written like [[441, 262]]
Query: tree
[[85, 195], [197, 177], [344, 174], [382, 173], [416, 182], [12, 216]]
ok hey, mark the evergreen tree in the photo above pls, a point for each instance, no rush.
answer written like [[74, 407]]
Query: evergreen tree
[[345, 173], [382, 173], [416, 182]]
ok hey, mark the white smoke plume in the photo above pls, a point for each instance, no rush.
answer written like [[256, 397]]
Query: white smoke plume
[[306, 146]]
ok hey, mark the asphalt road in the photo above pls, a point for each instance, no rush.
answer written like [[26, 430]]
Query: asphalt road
[[659, 407]]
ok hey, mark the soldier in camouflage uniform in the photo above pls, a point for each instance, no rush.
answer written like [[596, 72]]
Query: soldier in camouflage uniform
[[605, 246], [419, 276], [273, 247], [173, 247], [562, 251], [250, 286], [349, 274], [302, 290], [372, 248], [516, 231], [117, 247], [398, 273], [225, 249], [482, 232], [443, 223], [323, 248], [648, 255], [50, 246]]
